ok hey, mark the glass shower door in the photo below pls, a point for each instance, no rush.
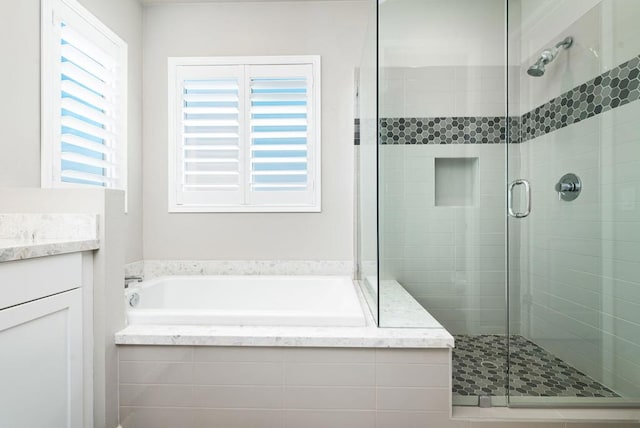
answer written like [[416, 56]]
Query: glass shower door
[[574, 204]]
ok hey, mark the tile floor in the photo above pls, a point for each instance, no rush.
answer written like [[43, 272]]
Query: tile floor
[[479, 368]]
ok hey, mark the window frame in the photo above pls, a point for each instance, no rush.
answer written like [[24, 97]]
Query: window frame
[[174, 141], [72, 11]]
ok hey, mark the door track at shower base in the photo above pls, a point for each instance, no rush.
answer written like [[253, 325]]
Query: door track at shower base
[[480, 401]]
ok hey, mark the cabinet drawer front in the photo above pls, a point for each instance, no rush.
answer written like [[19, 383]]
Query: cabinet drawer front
[[25, 280]]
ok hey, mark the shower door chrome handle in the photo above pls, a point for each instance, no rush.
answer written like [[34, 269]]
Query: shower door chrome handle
[[527, 190]]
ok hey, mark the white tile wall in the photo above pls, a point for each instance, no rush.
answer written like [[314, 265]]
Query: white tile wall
[[580, 270], [604, 32], [451, 259], [445, 91]]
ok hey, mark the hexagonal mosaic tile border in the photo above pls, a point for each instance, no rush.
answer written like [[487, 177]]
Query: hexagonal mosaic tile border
[[446, 130], [612, 89]]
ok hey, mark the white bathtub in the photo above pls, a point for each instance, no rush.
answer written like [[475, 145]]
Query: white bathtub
[[246, 300]]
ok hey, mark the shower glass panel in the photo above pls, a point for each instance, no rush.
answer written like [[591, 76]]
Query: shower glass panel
[[442, 225], [508, 192], [366, 160], [575, 260]]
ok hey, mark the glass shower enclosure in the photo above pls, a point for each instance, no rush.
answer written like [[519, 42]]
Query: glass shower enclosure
[[498, 182]]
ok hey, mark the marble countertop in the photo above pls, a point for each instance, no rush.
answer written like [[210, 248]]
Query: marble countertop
[[352, 337], [19, 249], [25, 236]]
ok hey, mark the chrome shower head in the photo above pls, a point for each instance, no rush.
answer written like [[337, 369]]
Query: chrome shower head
[[537, 69], [547, 56]]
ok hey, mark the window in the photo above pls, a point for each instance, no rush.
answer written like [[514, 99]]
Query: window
[[84, 68], [244, 134]]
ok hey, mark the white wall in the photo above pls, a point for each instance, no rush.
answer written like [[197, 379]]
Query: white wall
[[20, 88], [334, 30]]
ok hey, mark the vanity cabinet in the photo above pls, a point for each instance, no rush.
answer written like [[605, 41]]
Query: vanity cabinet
[[41, 342]]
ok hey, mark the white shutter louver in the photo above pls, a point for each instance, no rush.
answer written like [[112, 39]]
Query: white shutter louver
[[87, 85], [83, 99], [244, 137], [210, 135], [281, 130], [279, 134]]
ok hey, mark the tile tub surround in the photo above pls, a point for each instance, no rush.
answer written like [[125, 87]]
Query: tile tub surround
[[241, 387], [155, 268], [283, 387], [24, 236]]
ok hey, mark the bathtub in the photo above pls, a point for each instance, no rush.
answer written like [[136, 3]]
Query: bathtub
[[245, 300]]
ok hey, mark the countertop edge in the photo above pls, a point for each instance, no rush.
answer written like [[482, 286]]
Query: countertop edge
[[29, 250]]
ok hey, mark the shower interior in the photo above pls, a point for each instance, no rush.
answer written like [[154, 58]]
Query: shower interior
[[541, 307]]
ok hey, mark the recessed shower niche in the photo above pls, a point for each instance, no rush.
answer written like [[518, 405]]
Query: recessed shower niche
[[455, 181]]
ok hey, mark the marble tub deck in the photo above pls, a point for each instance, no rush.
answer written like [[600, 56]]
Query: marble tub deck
[[369, 336], [349, 337]]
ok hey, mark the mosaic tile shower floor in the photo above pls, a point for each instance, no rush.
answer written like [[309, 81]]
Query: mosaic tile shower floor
[[479, 368]]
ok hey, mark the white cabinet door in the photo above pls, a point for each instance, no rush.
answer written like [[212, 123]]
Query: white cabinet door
[[41, 363]]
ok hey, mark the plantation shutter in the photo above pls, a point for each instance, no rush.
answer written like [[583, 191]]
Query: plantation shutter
[[280, 130], [209, 156], [88, 136], [243, 137]]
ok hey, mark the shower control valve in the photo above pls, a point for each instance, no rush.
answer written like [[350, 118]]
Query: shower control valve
[[569, 187]]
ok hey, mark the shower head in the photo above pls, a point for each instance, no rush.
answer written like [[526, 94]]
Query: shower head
[[537, 69], [547, 56]]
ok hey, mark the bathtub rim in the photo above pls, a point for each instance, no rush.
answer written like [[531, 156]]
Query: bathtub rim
[[364, 314], [369, 336]]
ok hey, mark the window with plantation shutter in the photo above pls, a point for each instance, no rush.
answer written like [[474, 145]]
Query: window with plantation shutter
[[83, 99], [244, 134]]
